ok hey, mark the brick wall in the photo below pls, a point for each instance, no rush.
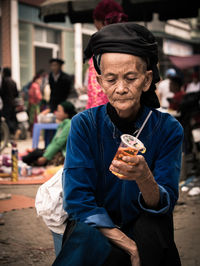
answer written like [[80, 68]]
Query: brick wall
[[5, 33]]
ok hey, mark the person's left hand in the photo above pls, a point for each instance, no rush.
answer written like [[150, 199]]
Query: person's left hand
[[131, 168], [41, 161]]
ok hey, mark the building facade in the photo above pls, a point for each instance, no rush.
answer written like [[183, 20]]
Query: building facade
[[27, 43]]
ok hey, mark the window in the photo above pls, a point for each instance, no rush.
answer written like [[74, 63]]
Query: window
[[47, 35]]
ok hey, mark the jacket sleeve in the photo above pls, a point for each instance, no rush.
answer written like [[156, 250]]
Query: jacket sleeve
[[58, 142], [167, 167], [80, 178]]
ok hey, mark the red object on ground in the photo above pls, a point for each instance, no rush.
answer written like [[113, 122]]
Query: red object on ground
[[16, 202], [26, 180]]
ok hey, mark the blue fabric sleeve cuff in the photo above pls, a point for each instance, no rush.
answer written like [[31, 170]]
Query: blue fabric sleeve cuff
[[163, 205], [100, 220]]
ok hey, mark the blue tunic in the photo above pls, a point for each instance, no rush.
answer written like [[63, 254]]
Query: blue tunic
[[92, 194]]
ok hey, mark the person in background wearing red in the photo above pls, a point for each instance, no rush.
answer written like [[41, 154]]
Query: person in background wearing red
[[176, 88], [106, 12], [35, 96]]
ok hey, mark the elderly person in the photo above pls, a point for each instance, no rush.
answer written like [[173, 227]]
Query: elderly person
[[127, 220]]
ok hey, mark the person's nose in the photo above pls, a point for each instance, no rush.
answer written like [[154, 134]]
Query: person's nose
[[121, 87]]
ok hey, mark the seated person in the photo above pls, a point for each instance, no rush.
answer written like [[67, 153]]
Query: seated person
[[124, 220], [55, 151]]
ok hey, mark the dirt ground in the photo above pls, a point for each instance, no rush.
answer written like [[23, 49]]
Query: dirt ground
[[25, 240]]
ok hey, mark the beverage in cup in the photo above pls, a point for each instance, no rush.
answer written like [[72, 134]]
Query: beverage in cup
[[129, 146]]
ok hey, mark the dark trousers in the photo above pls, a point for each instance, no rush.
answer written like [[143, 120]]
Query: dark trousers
[[152, 234], [33, 156]]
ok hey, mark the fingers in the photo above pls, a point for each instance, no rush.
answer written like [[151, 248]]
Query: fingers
[[135, 160], [129, 167]]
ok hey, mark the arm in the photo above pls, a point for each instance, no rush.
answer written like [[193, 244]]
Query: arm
[[140, 173], [124, 242], [38, 94], [58, 141], [159, 187], [80, 176], [79, 186]]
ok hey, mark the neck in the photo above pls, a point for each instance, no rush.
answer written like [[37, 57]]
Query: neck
[[56, 73], [129, 114]]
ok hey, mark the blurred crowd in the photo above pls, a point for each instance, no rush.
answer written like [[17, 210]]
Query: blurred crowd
[[182, 100], [39, 99], [52, 98]]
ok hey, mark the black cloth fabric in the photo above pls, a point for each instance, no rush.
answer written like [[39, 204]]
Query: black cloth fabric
[[153, 235], [126, 126], [60, 89], [155, 241], [128, 38], [33, 156], [57, 60]]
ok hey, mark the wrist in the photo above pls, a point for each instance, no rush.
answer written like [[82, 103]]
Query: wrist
[[145, 178], [132, 249]]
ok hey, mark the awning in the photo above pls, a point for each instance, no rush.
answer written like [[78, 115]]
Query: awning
[[137, 10], [184, 62]]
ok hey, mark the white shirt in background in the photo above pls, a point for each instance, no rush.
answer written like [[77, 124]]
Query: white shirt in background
[[164, 93], [193, 87]]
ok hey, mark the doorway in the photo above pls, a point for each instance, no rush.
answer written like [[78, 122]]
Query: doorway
[[42, 57]]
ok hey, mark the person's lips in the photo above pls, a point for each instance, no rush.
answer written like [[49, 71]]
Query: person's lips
[[122, 100]]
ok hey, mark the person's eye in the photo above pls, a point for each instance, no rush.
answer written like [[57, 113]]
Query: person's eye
[[111, 80], [130, 79]]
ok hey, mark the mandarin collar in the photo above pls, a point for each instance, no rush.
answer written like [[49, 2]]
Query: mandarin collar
[[138, 122]]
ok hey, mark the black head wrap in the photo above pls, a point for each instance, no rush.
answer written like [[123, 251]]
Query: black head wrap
[[127, 38]]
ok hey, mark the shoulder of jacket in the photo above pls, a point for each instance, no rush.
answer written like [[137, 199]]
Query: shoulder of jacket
[[89, 116], [169, 122]]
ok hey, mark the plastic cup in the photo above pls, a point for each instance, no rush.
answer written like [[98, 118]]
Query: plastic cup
[[129, 146]]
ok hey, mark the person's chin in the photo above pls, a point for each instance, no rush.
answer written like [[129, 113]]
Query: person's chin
[[124, 105]]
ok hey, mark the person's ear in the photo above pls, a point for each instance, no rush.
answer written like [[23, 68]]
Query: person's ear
[[99, 80], [148, 80]]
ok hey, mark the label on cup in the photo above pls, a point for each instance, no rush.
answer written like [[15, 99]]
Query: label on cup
[[133, 142]]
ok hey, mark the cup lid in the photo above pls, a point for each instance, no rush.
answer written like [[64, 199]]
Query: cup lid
[[132, 142]]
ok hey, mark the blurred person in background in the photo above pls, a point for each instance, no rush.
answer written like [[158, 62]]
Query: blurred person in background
[[190, 119], [60, 83], [1, 102], [9, 93], [26, 87], [194, 86], [55, 151], [106, 12], [163, 88], [34, 98], [176, 87]]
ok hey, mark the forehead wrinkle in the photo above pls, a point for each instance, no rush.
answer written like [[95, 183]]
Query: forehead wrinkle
[[120, 64]]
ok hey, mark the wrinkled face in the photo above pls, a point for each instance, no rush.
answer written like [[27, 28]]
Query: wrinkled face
[[60, 114], [123, 79]]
